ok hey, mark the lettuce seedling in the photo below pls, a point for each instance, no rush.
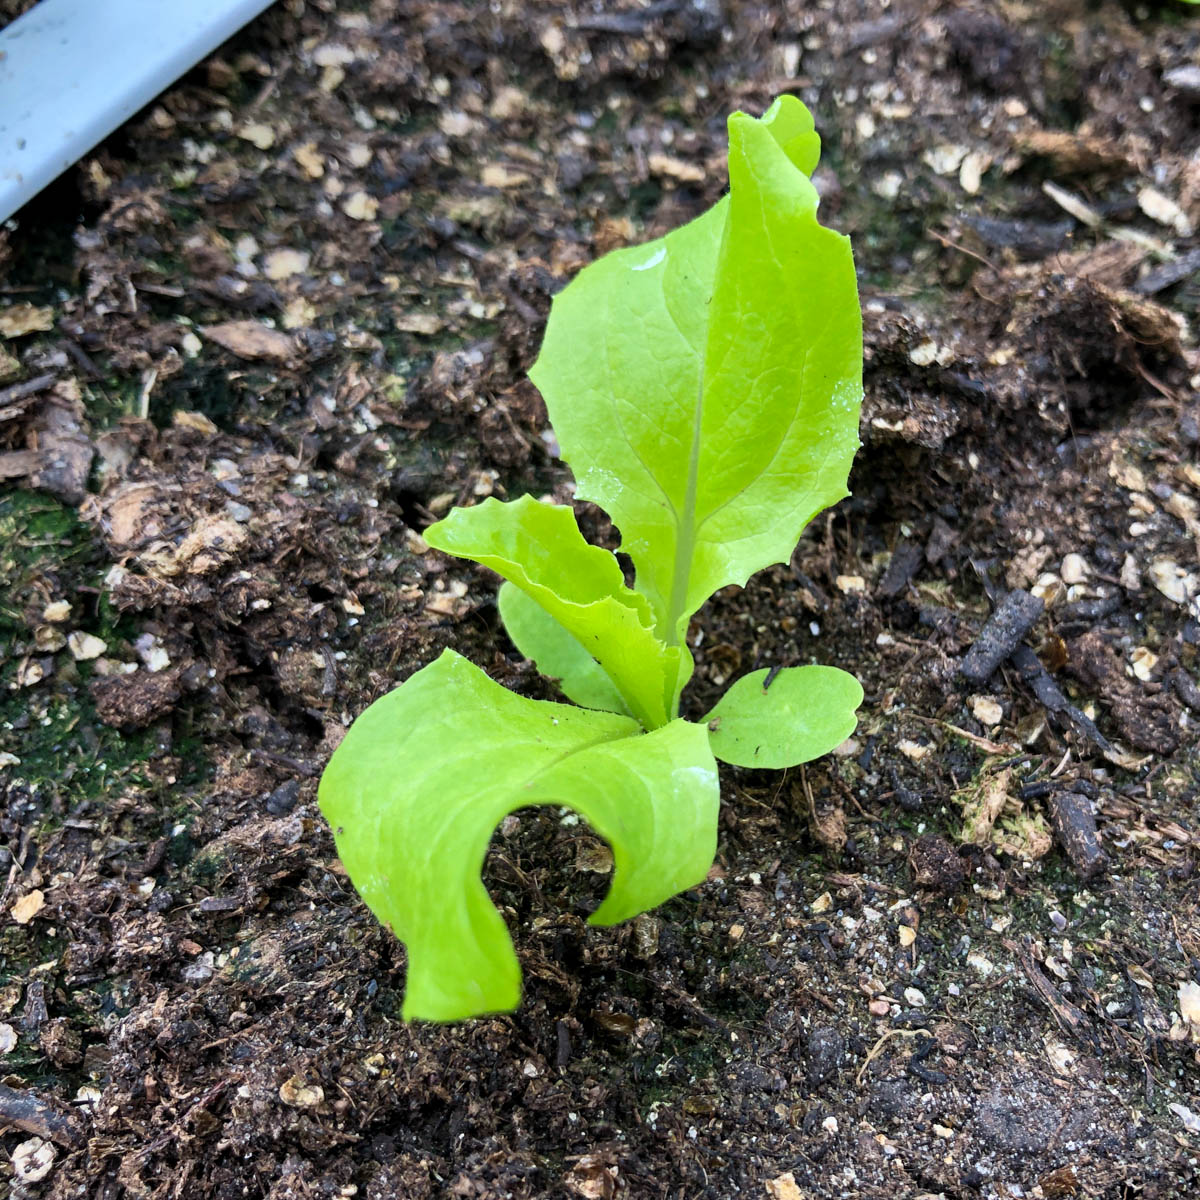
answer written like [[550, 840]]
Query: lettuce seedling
[[705, 389]]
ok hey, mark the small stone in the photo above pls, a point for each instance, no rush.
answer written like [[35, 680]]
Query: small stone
[[85, 646], [986, 710], [360, 207], [1049, 588], [57, 611], [33, 1160], [646, 931], [1191, 1121], [851, 583], [1074, 569], [1172, 580], [200, 971], [944, 159], [1189, 1002], [908, 935], [879, 1008], [1185, 78], [978, 962], [924, 354], [20, 319], [258, 134], [332, 54], [497, 175], [309, 160], [1143, 660], [970, 174], [283, 799], [8, 1039], [887, 186], [49, 639], [283, 264], [1131, 577], [30, 672], [296, 1093], [914, 997]]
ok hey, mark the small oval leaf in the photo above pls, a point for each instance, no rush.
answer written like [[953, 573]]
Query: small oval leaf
[[804, 713]]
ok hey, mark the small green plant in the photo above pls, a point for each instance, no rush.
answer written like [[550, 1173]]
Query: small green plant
[[705, 389]]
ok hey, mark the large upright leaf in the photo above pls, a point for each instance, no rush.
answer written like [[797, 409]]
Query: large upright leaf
[[538, 548], [426, 773], [705, 387]]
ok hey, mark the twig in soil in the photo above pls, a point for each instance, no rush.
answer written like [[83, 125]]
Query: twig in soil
[[1071, 1019], [1168, 274], [1075, 827], [1015, 615], [985, 744], [875, 1049], [1050, 695], [16, 392], [952, 245], [27, 1112], [82, 359]]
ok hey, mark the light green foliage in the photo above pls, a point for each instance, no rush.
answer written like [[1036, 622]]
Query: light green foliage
[[541, 638], [428, 771], [539, 549], [802, 713], [705, 389]]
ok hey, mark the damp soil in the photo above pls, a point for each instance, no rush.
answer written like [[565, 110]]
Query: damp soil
[[278, 323]]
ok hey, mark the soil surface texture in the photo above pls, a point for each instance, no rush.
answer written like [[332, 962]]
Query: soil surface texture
[[266, 333]]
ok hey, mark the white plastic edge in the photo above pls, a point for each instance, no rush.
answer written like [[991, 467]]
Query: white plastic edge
[[72, 71]]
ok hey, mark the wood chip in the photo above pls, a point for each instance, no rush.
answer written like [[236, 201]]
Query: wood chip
[[20, 319], [252, 340], [667, 166], [28, 906], [497, 175], [1161, 208], [784, 1187], [1071, 203]]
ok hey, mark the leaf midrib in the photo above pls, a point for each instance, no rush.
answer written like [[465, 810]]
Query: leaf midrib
[[685, 525]]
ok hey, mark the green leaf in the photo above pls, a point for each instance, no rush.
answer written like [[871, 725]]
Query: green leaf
[[705, 387], [805, 713], [556, 652], [428, 771], [538, 548]]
